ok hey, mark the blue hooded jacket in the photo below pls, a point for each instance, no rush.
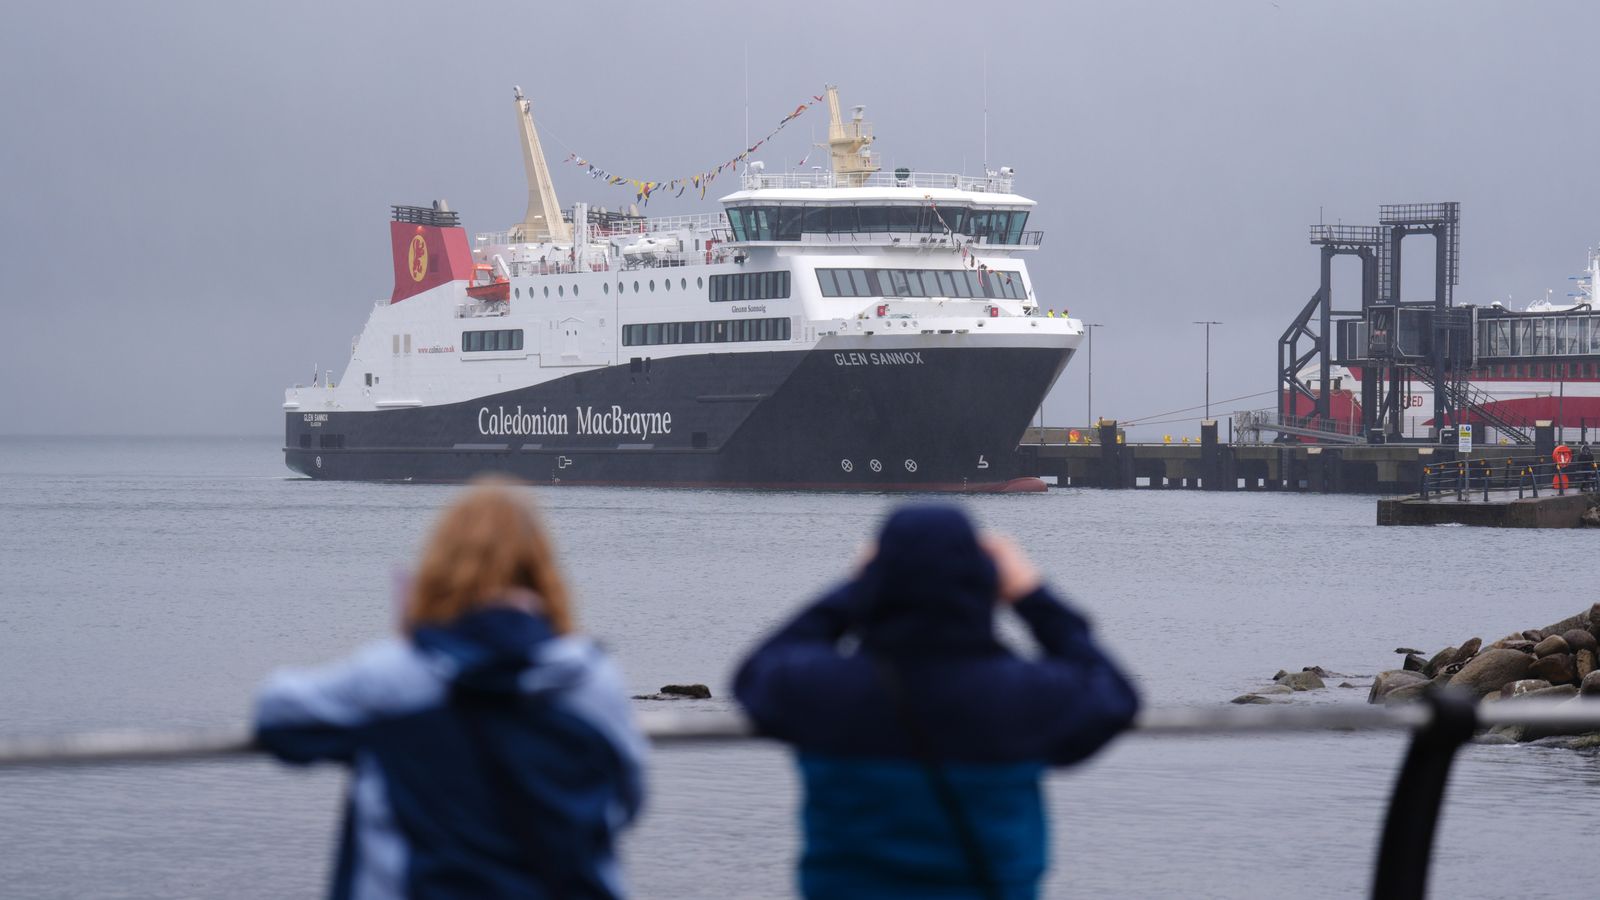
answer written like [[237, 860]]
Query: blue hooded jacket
[[923, 608], [491, 758]]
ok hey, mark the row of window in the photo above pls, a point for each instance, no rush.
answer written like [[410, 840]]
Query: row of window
[[788, 223], [920, 283], [750, 286], [1538, 371], [502, 339], [1548, 336], [714, 332]]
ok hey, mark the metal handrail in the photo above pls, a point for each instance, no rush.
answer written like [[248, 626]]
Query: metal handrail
[[823, 178], [1440, 725], [673, 728], [1528, 477]]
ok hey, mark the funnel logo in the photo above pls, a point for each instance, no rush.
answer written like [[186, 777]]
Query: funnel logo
[[417, 258]]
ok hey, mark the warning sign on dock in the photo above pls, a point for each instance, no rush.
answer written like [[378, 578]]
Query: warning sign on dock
[[1464, 439]]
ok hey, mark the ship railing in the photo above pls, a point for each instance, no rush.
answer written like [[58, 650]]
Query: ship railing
[[1440, 725], [823, 178], [698, 222]]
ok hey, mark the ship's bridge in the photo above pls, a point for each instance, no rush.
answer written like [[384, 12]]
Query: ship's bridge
[[880, 207]]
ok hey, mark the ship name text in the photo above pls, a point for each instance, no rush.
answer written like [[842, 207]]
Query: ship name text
[[897, 358]]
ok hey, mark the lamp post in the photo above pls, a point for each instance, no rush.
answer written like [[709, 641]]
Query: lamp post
[[1089, 339], [1208, 323]]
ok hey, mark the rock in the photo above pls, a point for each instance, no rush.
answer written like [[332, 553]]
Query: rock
[[1533, 634], [1406, 693], [1584, 741], [1414, 663], [1468, 650], [1490, 670], [1579, 639], [1554, 692], [1280, 675], [1558, 668], [1584, 662], [1249, 698], [1319, 671], [1451, 669], [1507, 734], [1589, 518], [1492, 738], [1275, 689], [1523, 686], [1442, 679], [1581, 620], [1591, 685], [1390, 680], [695, 691], [1403, 651], [1346, 684], [1517, 644], [1302, 681], [1438, 661], [1553, 644]]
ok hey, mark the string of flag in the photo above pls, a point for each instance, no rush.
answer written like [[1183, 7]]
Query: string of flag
[[644, 188], [968, 257]]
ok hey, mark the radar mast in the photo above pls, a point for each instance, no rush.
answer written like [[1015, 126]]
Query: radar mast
[[847, 143]]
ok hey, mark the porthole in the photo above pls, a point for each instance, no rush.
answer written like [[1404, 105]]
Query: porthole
[[547, 290], [621, 289], [516, 292], [574, 290], [652, 284], [683, 283], [699, 282], [561, 290], [605, 288], [636, 287], [667, 284]]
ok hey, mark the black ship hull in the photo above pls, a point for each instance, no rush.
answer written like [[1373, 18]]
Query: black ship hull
[[876, 418]]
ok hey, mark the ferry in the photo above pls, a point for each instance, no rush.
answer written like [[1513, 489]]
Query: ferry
[[840, 328]]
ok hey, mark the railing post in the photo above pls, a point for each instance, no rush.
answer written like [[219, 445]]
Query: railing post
[[1461, 482], [1533, 477], [1406, 848], [1426, 471]]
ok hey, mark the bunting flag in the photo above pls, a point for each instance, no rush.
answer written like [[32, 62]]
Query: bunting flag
[[969, 259], [642, 188]]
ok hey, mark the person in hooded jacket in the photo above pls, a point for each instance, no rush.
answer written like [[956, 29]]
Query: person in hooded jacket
[[920, 738], [492, 749]]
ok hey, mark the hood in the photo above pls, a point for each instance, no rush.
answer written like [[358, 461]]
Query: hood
[[498, 650], [930, 589]]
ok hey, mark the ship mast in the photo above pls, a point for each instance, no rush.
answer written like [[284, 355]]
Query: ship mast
[[542, 223], [847, 143]]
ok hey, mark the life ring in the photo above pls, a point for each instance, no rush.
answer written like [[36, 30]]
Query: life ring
[[1562, 455]]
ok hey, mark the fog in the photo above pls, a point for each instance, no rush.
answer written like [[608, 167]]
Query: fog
[[197, 193]]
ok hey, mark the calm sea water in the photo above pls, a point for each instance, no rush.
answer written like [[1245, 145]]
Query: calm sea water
[[154, 582]]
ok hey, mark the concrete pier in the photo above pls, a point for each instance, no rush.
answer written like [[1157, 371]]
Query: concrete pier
[[1216, 466], [1549, 511]]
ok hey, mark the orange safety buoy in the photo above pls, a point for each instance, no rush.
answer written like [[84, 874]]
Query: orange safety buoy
[[1562, 455]]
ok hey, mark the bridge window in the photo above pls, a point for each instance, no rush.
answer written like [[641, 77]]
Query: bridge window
[[499, 339], [789, 223]]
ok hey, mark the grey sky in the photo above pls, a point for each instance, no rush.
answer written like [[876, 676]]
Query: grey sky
[[197, 193]]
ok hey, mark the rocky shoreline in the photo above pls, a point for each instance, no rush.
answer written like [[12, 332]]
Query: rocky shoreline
[[1557, 662]]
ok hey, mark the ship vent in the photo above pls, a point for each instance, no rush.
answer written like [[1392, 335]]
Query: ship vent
[[437, 216]]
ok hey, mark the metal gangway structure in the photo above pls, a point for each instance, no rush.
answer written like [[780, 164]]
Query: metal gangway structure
[[1398, 344], [1440, 724]]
